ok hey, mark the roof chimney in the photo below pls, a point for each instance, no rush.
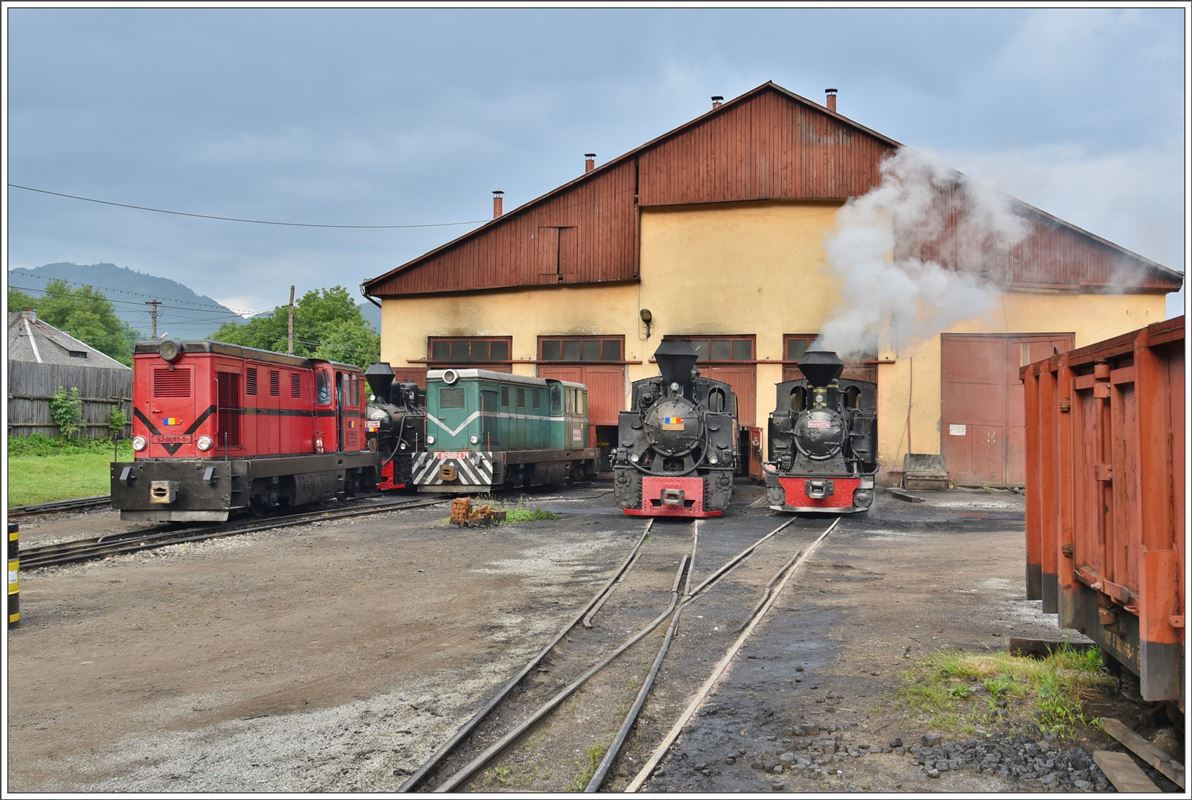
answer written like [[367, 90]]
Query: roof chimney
[[717, 100], [831, 99], [498, 203], [589, 162]]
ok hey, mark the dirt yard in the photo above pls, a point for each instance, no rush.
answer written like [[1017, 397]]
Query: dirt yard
[[338, 656]]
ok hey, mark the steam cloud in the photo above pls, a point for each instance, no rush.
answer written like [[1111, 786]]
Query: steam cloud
[[879, 252]]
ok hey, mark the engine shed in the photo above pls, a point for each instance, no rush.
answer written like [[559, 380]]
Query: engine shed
[[715, 232]]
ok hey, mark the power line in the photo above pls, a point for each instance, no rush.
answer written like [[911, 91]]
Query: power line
[[239, 219], [218, 313], [192, 306]]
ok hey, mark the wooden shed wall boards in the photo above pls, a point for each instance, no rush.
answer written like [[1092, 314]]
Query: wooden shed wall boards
[[717, 229], [41, 359]]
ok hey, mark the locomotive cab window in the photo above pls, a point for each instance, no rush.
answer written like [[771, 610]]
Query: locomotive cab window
[[798, 398], [852, 397], [716, 401], [556, 399], [322, 388]]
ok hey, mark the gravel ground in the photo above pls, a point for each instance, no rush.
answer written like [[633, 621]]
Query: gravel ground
[[326, 657]]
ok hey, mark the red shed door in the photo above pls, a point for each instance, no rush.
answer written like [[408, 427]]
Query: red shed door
[[606, 388], [743, 379], [982, 420]]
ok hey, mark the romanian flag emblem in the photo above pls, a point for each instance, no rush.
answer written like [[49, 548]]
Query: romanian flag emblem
[[672, 424], [168, 421]]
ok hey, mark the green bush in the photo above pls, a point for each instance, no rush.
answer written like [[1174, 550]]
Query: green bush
[[39, 445], [66, 407]]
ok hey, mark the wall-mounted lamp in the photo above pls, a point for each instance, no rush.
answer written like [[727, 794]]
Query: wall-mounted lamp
[[647, 318]]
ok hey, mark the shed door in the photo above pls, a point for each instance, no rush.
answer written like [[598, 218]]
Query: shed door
[[743, 379], [982, 419], [606, 388]]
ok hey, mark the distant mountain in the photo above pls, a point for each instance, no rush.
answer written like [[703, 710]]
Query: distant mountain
[[371, 314], [183, 313]]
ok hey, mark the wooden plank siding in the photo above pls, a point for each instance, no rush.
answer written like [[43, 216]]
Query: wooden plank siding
[[586, 235], [769, 144], [31, 386]]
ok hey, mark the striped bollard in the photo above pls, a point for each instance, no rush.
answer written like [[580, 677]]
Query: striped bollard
[[14, 574]]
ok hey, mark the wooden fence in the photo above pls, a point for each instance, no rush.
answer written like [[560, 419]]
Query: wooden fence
[[31, 386]]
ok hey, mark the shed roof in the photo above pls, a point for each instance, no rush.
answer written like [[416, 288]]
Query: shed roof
[[835, 137], [34, 340]]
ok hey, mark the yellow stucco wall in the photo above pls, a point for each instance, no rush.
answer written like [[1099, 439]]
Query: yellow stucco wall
[[741, 269]]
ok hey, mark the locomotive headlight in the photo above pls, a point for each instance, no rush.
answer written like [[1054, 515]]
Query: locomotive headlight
[[169, 349], [204, 443], [430, 440], [712, 459], [402, 446], [138, 443], [768, 467], [474, 439], [634, 458]]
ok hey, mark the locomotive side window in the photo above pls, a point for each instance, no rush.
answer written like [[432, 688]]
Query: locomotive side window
[[355, 391], [250, 381], [798, 398], [227, 390], [538, 398], [274, 383], [322, 389], [852, 397], [716, 400], [521, 398], [556, 399], [504, 397]]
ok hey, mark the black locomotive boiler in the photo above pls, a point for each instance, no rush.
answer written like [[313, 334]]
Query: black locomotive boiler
[[676, 450], [396, 425], [823, 440]]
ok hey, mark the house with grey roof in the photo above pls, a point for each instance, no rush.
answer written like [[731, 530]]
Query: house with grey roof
[[42, 359]]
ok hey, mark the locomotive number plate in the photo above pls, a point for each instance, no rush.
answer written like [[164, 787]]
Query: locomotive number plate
[[819, 423], [172, 438]]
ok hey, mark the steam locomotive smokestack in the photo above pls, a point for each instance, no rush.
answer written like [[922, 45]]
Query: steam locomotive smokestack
[[380, 378], [821, 367], [675, 359]]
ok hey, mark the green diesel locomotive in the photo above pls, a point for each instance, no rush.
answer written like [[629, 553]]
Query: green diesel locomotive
[[487, 430]]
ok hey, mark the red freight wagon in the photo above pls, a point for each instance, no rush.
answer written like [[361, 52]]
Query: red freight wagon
[[1105, 498], [219, 428]]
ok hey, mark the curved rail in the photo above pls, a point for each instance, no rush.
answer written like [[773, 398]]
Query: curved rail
[[80, 550], [76, 504], [672, 612], [415, 780]]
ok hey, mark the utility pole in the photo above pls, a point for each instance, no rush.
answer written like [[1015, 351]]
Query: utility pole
[[291, 322], [153, 314]]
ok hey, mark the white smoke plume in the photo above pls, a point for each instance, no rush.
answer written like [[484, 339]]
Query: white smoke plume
[[878, 252]]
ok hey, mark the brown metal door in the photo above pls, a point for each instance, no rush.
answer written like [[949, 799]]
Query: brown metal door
[[606, 388], [754, 453], [982, 426], [743, 379], [410, 375]]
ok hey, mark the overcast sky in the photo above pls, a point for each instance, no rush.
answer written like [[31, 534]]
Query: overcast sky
[[409, 116]]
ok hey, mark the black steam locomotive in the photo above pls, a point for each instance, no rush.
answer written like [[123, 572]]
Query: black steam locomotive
[[823, 440], [677, 444], [396, 425]]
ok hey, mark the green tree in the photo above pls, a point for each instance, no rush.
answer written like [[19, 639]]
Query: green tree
[[18, 300], [88, 316], [327, 324]]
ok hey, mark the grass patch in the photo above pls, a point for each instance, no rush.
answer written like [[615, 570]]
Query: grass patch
[[595, 754], [960, 692], [41, 469], [524, 514]]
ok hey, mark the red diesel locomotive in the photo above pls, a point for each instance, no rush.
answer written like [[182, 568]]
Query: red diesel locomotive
[[219, 428]]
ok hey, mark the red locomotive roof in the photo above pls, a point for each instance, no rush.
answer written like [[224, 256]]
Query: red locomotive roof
[[239, 351]]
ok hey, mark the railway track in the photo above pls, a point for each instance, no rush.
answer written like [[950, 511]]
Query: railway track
[[486, 748], [78, 504], [135, 541]]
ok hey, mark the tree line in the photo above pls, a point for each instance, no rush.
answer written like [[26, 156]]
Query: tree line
[[327, 324]]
